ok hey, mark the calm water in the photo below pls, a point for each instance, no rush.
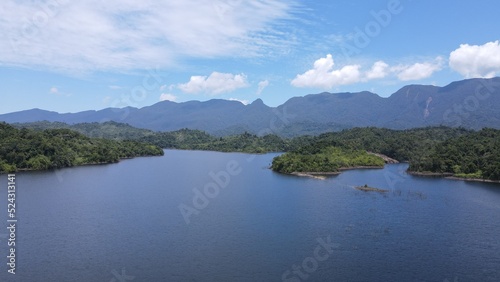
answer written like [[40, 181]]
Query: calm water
[[122, 222]]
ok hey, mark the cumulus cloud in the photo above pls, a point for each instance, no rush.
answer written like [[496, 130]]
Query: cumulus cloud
[[216, 83], [244, 102], [322, 75], [262, 85], [127, 34], [379, 70], [418, 71], [476, 60], [168, 97]]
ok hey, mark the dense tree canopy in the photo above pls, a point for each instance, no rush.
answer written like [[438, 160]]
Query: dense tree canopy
[[57, 148], [328, 159], [462, 152], [474, 155]]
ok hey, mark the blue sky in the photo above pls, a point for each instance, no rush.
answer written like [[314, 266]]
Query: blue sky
[[70, 56]]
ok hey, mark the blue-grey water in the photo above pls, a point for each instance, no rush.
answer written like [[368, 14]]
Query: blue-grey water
[[122, 222]]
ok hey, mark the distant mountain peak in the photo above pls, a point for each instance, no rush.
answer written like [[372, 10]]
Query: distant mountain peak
[[257, 102], [456, 104]]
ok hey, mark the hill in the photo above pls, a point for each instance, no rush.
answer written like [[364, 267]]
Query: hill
[[468, 103], [28, 149]]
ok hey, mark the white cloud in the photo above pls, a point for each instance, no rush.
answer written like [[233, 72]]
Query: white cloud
[[115, 87], [244, 102], [324, 76], [54, 90], [378, 70], [216, 83], [262, 85], [418, 71], [168, 97], [128, 34], [476, 60]]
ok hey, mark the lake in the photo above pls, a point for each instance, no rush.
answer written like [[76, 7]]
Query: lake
[[209, 216]]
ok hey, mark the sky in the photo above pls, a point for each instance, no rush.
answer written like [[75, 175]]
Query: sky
[[70, 56]]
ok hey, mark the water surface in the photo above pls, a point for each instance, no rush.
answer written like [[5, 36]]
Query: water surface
[[122, 221]]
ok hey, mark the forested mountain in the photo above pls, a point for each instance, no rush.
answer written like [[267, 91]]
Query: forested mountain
[[471, 103]]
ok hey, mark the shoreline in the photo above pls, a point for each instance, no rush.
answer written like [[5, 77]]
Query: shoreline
[[387, 160], [324, 175], [361, 167], [315, 175], [79, 165], [429, 174], [472, 179], [450, 176]]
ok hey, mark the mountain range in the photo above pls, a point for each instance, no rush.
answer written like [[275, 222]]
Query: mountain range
[[471, 103]]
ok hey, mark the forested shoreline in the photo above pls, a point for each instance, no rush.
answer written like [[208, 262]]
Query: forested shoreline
[[27, 149], [440, 150], [433, 151]]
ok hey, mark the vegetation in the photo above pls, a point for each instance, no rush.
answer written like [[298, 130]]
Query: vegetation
[[329, 159], [457, 151], [26, 149], [402, 145], [108, 130], [464, 153], [246, 142], [474, 155], [180, 139]]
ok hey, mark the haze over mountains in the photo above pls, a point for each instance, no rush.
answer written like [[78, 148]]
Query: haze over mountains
[[472, 103]]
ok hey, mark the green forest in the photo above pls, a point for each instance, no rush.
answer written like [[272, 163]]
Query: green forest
[[462, 152], [457, 151], [473, 155], [27, 149], [328, 159]]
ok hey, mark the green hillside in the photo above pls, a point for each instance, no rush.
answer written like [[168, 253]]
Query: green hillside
[[27, 149]]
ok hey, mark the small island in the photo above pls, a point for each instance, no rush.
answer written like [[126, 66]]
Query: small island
[[367, 188], [452, 153], [325, 162]]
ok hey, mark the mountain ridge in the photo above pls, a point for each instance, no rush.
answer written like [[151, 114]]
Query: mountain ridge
[[469, 103]]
